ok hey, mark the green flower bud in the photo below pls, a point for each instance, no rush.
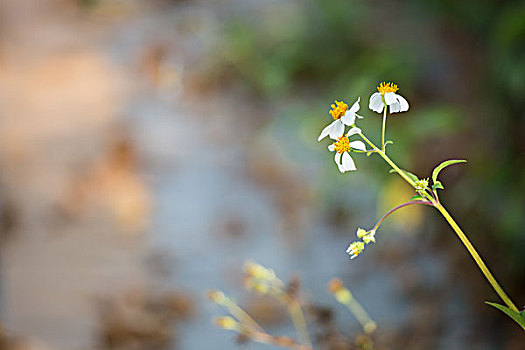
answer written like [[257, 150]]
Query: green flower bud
[[361, 233], [421, 185]]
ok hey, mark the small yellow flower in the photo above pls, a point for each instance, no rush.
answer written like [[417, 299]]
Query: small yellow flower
[[343, 116], [387, 95], [342, 147]]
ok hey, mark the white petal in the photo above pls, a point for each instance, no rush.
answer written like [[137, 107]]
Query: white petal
[[348, 162], [353, 131], [348, 118], [390, 98], [395, 107], [325, 132], [358, 145], [337, 130], [337, 159], [359, 116], [355, 106], [402, 102], [331, 148], [376, 103]]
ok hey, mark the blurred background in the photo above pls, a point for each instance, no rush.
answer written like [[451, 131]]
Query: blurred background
[[148, 148]]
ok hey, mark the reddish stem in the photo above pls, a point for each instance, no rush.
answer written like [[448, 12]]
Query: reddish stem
[[399, 207]]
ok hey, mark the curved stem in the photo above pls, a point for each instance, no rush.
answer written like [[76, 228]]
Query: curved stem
[[397, 208], [453, 224], [476, 257]]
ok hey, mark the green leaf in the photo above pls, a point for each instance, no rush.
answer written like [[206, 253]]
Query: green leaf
[[389, 142], [437, 186], [410, 175], [444, 165], [417, 197], [518, 317]]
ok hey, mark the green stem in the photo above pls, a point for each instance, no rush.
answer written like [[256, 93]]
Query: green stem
[[455, 227], [383, 130], [388, 160], [476, 257]]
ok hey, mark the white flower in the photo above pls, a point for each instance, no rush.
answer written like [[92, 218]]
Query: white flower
[[387, 91], [343, 116], [342, 146]]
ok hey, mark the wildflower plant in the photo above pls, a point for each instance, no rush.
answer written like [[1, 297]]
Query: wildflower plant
[[264, 281], [387, 101]]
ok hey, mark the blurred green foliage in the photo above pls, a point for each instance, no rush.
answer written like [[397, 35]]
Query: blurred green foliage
[[461, 64]]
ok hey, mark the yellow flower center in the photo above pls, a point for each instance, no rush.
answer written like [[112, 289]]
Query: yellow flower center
[[342, 145], [338, 109], [388, 87]]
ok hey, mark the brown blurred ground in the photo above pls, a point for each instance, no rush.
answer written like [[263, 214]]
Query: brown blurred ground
[[68, 175]]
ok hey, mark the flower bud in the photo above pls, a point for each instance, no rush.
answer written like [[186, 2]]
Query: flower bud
[[361, 232], [421, 185], [335, 285], [226, 323], [370, 237], [216, 296]]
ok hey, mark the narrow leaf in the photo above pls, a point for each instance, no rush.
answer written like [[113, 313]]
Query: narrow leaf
[[438, 186], [410, 175], [416, 198], [444, 165], [511, 313]]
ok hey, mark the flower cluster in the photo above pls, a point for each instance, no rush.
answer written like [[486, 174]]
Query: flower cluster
[[386, 96], [344, 116], [357, 247]]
